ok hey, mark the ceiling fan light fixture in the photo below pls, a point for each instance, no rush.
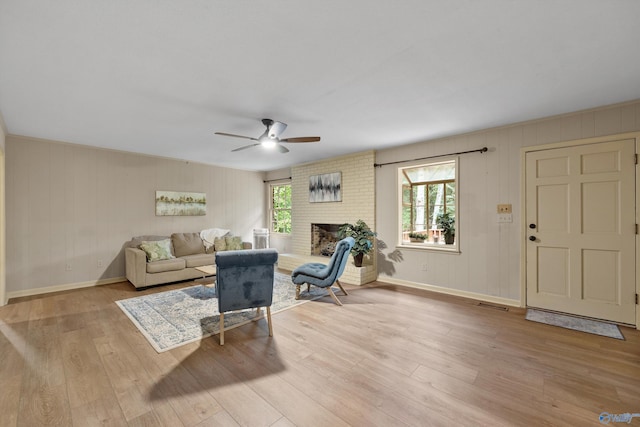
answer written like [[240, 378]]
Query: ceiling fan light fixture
[[268, 143], [270, 139]]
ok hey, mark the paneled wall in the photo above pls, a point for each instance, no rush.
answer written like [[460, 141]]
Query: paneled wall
[[489, 262], [3, 231], [70, 208]]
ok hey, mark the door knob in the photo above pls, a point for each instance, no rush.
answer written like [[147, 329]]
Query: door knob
[[532, 226], [532, 238]]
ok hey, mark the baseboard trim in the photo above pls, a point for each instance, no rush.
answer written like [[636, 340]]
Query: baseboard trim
[[448, 291], [64, 287]]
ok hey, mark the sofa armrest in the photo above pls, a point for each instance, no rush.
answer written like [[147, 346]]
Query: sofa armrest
[[136, 266]]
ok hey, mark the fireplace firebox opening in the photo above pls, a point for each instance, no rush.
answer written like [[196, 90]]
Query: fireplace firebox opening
[[324, 238]]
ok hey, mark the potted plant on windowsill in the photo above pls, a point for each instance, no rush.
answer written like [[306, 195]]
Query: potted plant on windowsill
[[417, 237], [447, 222], [363, 236]]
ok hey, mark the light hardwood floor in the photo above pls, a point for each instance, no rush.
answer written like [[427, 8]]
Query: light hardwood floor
[[390, 356]]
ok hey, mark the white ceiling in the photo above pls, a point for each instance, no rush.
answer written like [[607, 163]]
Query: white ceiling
[[161, 76]]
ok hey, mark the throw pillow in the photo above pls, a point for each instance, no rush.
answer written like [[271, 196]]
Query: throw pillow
[[158, 250], [234, 243], [220, 244]]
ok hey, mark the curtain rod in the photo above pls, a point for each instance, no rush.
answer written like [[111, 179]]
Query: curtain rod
[[479, 150], [271, 180]]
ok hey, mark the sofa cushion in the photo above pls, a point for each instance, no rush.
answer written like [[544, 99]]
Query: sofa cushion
[[187, 244], [157, 250], [220, 244], [198, 260], [135, 241], [234, 243], [166, 265]]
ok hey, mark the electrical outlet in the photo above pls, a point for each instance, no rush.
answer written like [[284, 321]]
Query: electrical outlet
[[424, 267], [504, 209], [67, 267], [99, 263]]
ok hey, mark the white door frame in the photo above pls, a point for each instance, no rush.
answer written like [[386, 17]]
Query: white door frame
[[524, 230]]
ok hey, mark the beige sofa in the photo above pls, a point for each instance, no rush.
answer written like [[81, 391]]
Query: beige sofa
[[187, 251]]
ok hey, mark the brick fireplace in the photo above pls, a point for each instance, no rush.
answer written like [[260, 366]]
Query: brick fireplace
[[358, 202]]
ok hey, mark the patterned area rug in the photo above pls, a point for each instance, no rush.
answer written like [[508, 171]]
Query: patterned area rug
[[173, 318], [575, 323]]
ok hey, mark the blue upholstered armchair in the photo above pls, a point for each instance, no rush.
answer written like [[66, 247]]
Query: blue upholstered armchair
[[325, 275], [244, 279]]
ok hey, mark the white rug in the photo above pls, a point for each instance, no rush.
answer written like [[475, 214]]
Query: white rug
[[173, 318], [576, 323]]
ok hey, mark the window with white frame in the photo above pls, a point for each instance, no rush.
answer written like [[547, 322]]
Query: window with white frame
[[280, 208], [428, 205]]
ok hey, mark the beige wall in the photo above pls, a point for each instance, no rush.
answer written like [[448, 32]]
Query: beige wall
[[76, 205], [489, 262], [3, 265]]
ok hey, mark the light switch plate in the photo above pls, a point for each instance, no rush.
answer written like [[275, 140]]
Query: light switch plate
[[505, 217], [504, 208]]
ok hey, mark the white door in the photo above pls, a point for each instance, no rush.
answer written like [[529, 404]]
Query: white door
[[580, 213]]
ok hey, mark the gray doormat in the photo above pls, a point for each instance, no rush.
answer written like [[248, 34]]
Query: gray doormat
[[576, 323]]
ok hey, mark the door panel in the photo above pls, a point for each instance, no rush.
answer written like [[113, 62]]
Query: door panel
[[554, 220], [554, 275], [581, 201]]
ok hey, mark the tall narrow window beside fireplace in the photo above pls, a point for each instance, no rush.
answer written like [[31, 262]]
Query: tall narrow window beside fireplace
[[280, 208]]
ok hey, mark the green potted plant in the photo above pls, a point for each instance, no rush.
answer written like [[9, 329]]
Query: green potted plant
[[417, 237], [363, 236], [447, 223]]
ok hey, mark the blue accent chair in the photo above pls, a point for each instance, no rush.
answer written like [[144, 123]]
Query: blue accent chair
[[244, 279], [324, 275]]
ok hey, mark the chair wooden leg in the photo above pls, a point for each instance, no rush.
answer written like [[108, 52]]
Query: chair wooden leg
[[341, 288], [269, 321], [258, 312], [221, 328], [335, 298], [308, 287], [297, 291]]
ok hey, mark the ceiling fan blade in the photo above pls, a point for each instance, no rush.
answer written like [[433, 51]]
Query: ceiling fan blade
[[282, 148], [302, 139], [245, 147], [236, 136]]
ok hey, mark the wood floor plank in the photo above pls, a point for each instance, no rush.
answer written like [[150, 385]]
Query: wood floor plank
[[43, 396], [99, 413], [390, 356], [85, 375]]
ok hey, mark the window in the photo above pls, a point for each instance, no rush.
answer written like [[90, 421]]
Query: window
[[428, 199], [280, 201]]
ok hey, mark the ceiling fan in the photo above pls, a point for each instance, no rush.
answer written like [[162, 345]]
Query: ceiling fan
[[271, 137]]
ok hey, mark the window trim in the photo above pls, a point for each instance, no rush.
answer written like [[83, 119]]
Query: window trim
[[455, 248], [271, 208]]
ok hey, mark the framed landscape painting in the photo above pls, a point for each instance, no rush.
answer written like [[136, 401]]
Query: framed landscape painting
[[325, 187], [180, 203]]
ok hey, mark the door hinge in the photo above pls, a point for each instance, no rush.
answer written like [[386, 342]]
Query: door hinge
[[636, 156], [636, 228], [636, 299]]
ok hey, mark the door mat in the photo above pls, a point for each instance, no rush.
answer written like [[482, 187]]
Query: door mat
[[576, 323]]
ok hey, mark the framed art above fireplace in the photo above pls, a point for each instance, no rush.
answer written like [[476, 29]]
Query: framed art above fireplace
[[325, 187]]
